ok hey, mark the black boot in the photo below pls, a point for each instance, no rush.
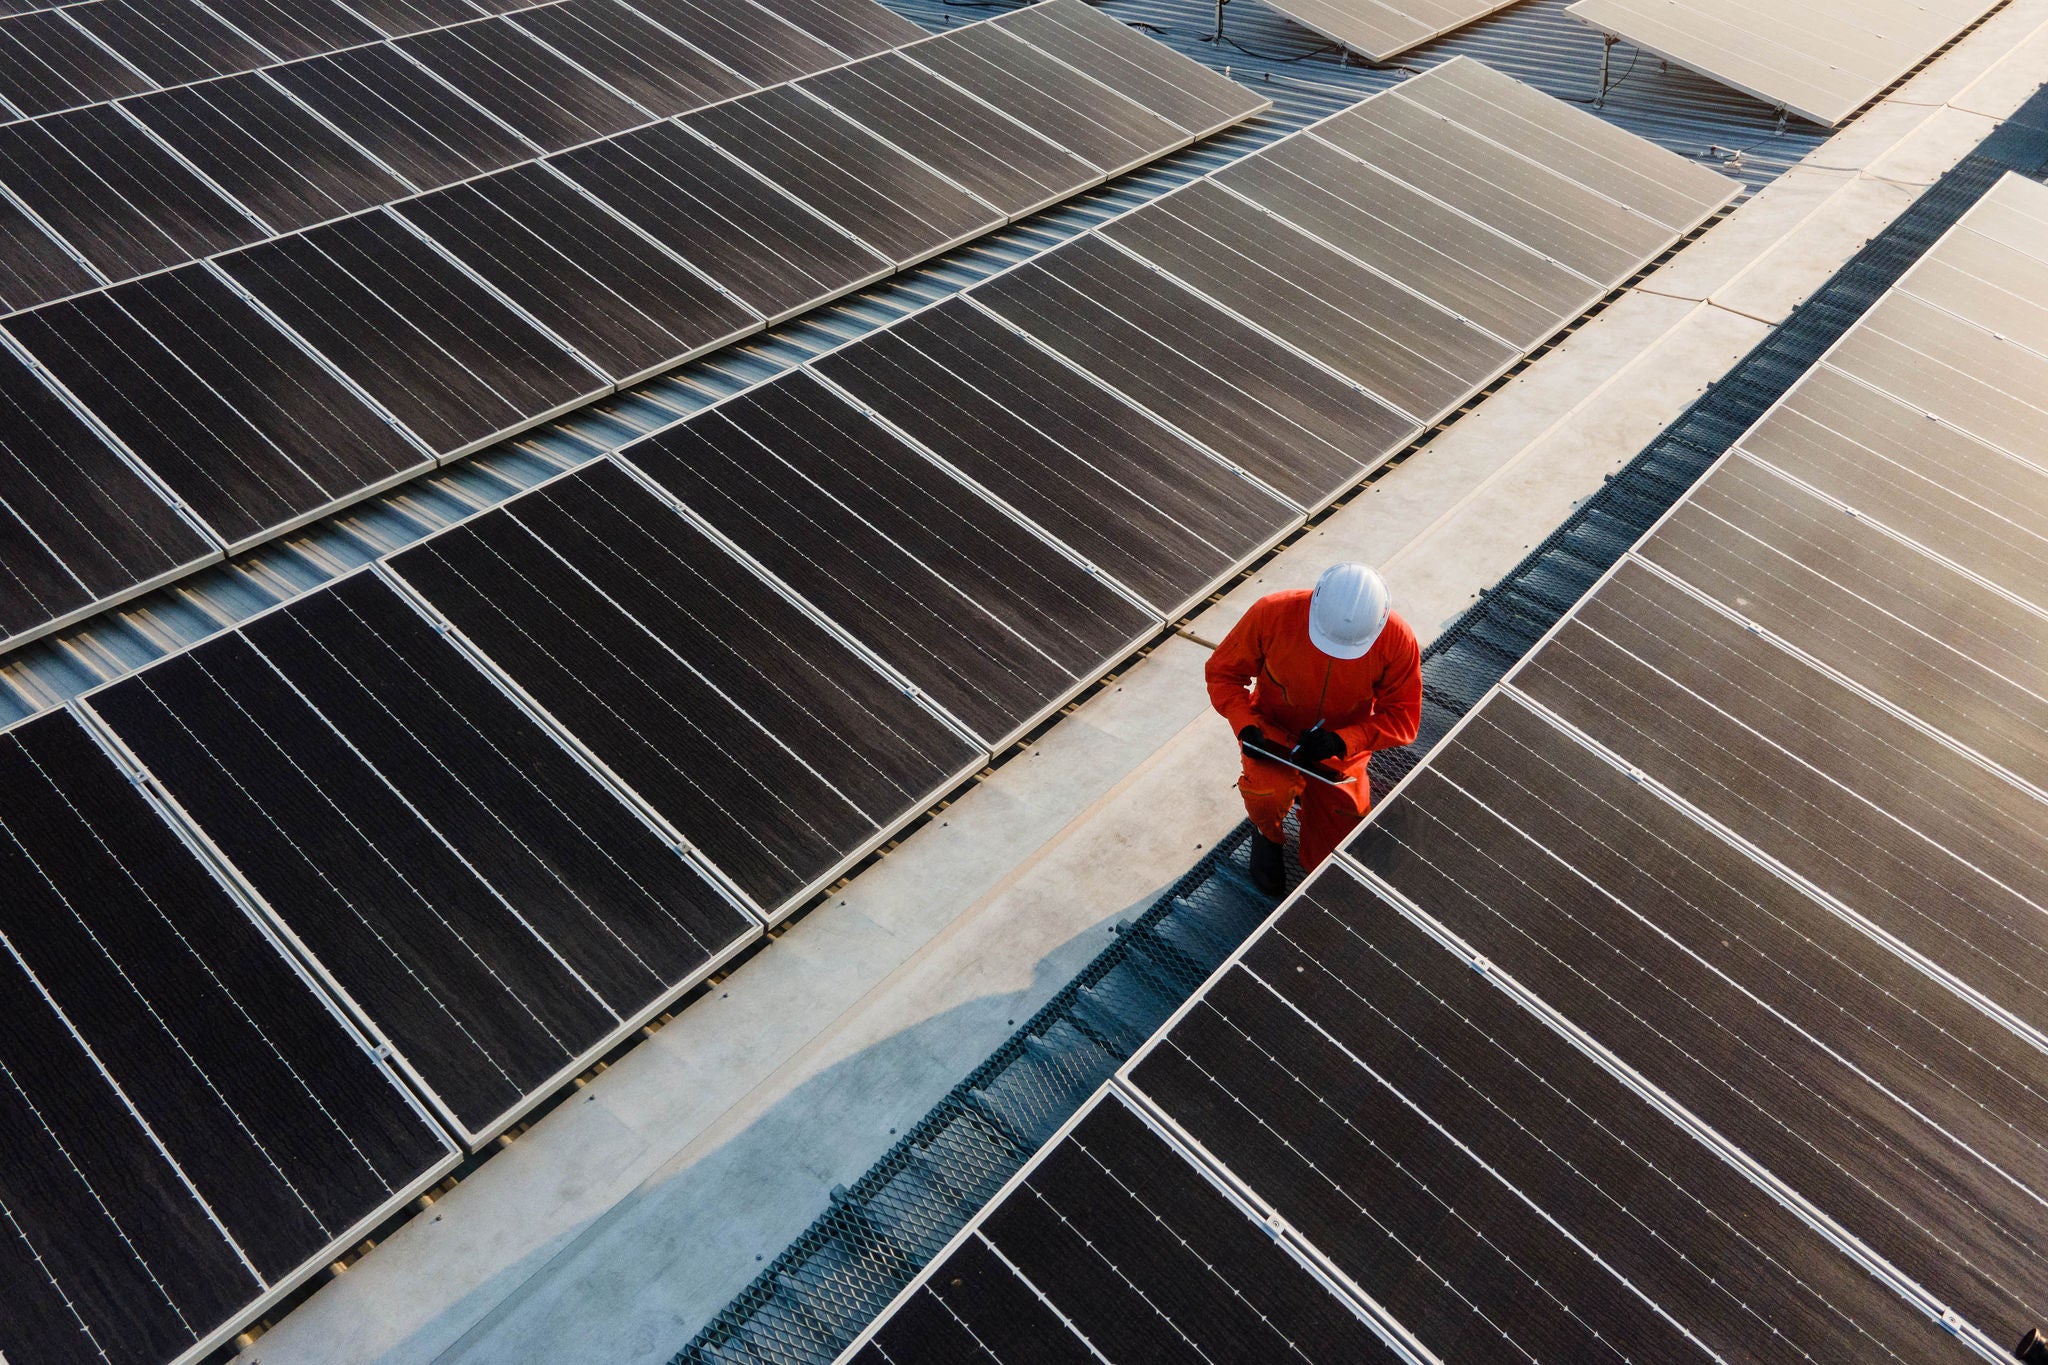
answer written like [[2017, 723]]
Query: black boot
[[1269, 865]]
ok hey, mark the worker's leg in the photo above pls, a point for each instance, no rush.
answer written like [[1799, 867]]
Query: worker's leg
[[1328, 815], [1269, 791]]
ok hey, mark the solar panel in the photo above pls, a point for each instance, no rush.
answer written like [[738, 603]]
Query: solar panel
[[971, 143], [1113, 1246], [447, 357], [1196, 98], [260, 145], [77, 523], [291, 29], [853, 28], [773, 748], [48, 63], [116, 195], [2001, 289], [1139, 502], [991, 622], [1298, 427], [552, 103], [625, 304], [1112, 133], [633, 55], [169, 41], [723, 219], [250, 434], [892, 204], [188, 1128], [758, 44], [495, 912], [1382, 29], [398, 18], [34, 266], [402, 115]]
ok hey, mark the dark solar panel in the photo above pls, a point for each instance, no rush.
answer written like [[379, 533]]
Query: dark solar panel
[[766, 742], [956, 134], [406, 118], [296, 28], [729, 223], [433, 346], [111, 191], [624, 303], [251, 434], [261, 146], [901, 209], [993, 623], [170, 41], [397, 18], [272, 1133], [549, 101], [34, 266], [1200, 100], [854, 28], [1306, 432], [77, 523], [48, 63], [632, 54], [1139, 502], [744, 36]]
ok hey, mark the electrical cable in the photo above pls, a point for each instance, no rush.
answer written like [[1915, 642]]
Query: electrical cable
[[1326, 50]]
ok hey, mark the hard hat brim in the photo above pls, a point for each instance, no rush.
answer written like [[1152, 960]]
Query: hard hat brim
[[1338, 649]]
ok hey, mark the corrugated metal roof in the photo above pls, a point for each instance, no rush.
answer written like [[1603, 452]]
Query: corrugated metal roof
[[1533, 41]]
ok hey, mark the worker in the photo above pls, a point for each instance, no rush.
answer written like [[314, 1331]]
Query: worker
[[1333, 674]]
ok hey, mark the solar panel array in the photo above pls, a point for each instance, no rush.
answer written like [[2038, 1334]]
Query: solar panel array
[[288, 289], [1383, 29], [1686, 1002], [1820, 59]]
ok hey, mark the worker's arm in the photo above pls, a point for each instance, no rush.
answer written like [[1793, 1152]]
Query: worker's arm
[[1397, 697], [1234, 667]]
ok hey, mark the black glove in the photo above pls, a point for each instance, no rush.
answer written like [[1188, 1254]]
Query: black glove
[[1318, 745], [1251, 734]]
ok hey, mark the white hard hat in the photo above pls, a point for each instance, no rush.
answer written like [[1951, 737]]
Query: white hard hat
[[1348, 610]]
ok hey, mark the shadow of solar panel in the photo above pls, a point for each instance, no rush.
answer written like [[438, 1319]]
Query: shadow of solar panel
[[1301, 429], [633, 55], [1187, 93], [169, 41], [404, 117], [120, 199], [1485, 1182], [502, 68], [1112, 133], [34, 266], [1114, 1247], [296, 28], [1411, 354], [1139, 502], [898, 207], [770, 745], [628, 307], [48, 63], [971, 143], [853, 28], [1871, 1089], [263, 147], [723, 219], [750, 39], [993, 623], [78, 525], [273, 1136], [248, 432], [456, 365]]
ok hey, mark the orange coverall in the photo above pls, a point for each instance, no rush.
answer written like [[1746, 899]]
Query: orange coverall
[[1266, 673]]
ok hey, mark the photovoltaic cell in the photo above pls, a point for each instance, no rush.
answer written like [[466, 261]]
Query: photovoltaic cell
[[287, 1136], [254, 141], [34, 266], [1873, 1091], [550, 102], [1489, 1185], [633, 55], [1152, 74], [972, 143], [990, 621], [111, 191], [754, 732], [751, 40], [402, 115], [48, 63], [1139, 502], [1414, 356], [1303, 430], [453, 363], [888, 201], [626, 305], [291, 29], [169, 41], [854, 28], [248, 432], [723, 219], [77, 523], [2000, 288], [1902, 829], [397, 18]]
